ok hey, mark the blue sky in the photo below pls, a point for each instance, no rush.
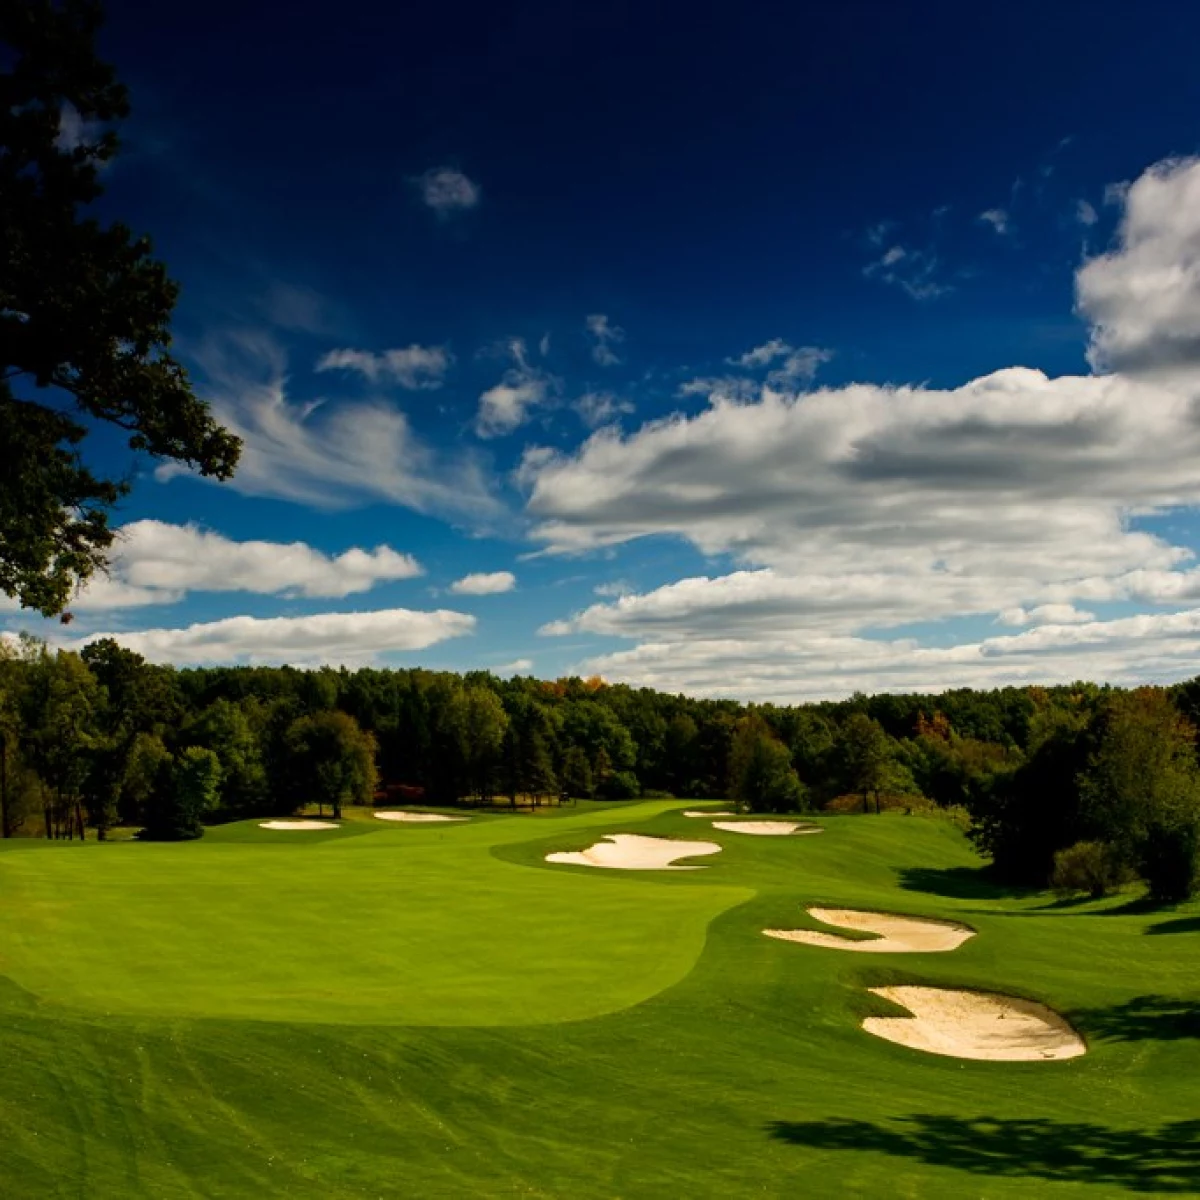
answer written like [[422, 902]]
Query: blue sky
[[674, 331]]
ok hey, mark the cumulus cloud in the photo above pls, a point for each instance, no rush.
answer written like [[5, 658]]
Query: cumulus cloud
[[604, 337], [1143, 298], [997, 218], [329, 455], [860, 510], [349, 638], [523, 387], [484, 583], [413, 367], [1086, 213], [1157, 646], [448, 191]]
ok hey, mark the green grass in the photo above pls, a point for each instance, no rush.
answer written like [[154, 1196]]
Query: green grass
[[388, 1010]]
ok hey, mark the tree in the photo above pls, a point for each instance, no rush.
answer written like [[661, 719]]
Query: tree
[[178, 812], [225, 728], [577, 773], [866, 755], [84, 312], [1141, 789], [481, 723], [760, 769], [61, 708], [332, 761]]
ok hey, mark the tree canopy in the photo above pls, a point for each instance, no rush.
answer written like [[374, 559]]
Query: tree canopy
[[85, 312]]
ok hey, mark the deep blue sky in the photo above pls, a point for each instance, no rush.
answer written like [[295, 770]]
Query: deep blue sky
[[707, 176]]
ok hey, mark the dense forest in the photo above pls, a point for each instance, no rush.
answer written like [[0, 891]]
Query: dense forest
[[1083, 786]]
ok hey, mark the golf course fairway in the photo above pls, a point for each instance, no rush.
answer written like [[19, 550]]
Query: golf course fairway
[[390, 1009]]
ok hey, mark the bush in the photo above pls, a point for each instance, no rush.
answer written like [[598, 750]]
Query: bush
[[1091, 867], [657, 794], [1170, 860]]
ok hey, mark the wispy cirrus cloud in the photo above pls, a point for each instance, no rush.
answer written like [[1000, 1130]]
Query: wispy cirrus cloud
[[413, 367], [605, 336]]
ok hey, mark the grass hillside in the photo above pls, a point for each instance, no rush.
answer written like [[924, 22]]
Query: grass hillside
[[435, 1011]]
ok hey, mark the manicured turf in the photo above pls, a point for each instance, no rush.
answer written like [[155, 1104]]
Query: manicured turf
[[434, 1011]]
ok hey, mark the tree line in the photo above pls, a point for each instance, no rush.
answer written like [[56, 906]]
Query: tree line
[[1084, 784]]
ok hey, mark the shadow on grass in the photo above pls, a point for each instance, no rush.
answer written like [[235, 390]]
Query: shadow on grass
[[959, 883], [1157, 1018], [1179, 925], [1163, 1160]]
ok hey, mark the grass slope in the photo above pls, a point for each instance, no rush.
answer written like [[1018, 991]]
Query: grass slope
[[385, 1011]]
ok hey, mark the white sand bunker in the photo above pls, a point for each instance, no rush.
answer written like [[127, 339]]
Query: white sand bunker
[[980, 1025], [416, 816], [897, 935], [696, 812], [297, 825], [766, 828], [634, 852]]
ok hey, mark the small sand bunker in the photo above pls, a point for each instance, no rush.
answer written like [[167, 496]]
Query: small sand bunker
[[980, 1025], [696, 812], [766, 828], [297, 825], [634, 852], [416, 817], [897, 935]]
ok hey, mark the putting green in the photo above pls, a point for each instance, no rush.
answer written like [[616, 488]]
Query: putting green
[[416, 926], [381, 1011]]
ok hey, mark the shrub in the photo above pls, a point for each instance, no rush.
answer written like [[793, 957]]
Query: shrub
[[1170, 860], [1090, 867]]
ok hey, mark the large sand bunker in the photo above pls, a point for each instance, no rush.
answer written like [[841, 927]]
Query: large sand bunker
[[897, 935], [698, 812], [766, 828], [297, 825], [635, 852], [980, 1025], [423, 818]]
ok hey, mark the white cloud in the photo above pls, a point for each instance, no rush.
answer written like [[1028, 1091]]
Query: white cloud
[[1160, 647], [1085, 213], [329, 455], [175, 559], [605, 336], [997, 218], [448, 191], [914, 271], [798, 366], [1143, 298], [600, 408], [484, 583], [861, 509], [351, 638], [1045, 614], [519, 666], [523, 387], [413, 367]]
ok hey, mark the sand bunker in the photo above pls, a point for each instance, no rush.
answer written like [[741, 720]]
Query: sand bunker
[[696, 812], [634, 852], [416, 816], [897, 935], [297, 825], [765, 828], [980, 1025]]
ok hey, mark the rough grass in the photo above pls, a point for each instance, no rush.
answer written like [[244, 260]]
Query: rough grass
[[408, 1011]]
